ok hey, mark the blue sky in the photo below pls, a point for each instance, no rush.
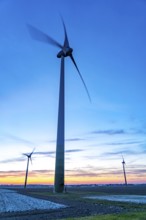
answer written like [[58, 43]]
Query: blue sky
[[108, 38]]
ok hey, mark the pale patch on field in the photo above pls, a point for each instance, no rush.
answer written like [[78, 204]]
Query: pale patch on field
[[11, 201], [121, 198]]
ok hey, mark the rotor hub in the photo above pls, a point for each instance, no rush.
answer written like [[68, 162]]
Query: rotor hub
[[65, 52]]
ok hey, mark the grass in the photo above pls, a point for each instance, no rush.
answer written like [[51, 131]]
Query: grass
[[80, 197], [129, 216], [127, 205], [133, 211], [70, 195]]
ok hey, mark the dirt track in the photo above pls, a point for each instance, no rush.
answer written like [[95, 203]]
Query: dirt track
[[77, 205]]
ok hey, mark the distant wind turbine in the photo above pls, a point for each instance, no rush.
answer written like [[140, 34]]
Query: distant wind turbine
[[66, 51], [124, 172], [28, 158]]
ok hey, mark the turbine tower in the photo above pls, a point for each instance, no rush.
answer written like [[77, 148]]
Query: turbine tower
[[123, 163], [65, 51], [28, 158]]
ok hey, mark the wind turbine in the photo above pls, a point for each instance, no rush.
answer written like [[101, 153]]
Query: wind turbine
[[28, 158], [123, 163], [65, 51]]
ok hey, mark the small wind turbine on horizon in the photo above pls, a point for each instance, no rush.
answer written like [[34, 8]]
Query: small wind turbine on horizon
[[65, 51], [124, 171], [28, 158]]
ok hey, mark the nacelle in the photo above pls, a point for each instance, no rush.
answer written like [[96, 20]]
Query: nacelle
[[65, 52]]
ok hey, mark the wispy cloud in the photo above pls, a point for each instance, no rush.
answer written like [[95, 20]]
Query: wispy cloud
[[53, 152], [33, 173], [74, 139], [46, 153], [13, 160], [94, 172], [123, 143], [118, 153], [36, 173], [68, 140], [43, 153], [89, 172], [80, 173], [114, 155], [74, 150], [109, 131], [11, 173], [10, 137], [119, 131], [137, 131]]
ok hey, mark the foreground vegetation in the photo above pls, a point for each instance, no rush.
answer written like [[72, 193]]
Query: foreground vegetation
[[129, 216], [80, 205]]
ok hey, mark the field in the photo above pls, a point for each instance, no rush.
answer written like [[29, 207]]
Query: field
[[78, 206]]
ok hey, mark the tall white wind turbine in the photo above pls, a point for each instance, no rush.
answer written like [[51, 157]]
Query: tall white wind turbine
[[65, 51]]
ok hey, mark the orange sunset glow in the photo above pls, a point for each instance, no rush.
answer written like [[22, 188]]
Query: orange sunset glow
[[18, 179]]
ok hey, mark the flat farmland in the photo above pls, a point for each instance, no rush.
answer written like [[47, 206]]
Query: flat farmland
[[75, 202]]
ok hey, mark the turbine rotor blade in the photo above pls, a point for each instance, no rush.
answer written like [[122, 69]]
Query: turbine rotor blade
[[32, 152], [66, 42], [122, 157], [31, 160], [71, 56], [26, 155], [36, 34]]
